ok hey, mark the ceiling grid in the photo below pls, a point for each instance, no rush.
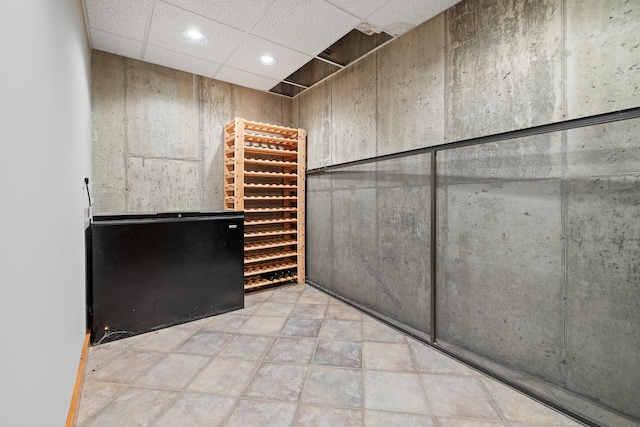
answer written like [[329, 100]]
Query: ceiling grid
[[309, 39]]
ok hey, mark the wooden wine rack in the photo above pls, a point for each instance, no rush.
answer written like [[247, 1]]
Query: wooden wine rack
[[264, 175]]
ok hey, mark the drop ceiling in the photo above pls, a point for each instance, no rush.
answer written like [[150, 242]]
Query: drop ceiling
[[311, 39]]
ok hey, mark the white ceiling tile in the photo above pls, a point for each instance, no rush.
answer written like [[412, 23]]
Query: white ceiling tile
[[399, 16], [238, 14], [243, 78], [169, 22], [359, 8], [178, 61], [246, 58], [305, 26], [115, 44], [126, 18]]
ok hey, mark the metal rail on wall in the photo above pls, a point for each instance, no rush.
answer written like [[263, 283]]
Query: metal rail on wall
[[598, 119], [593, 120]]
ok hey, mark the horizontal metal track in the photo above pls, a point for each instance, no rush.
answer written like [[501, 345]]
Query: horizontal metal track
[[599, 119]]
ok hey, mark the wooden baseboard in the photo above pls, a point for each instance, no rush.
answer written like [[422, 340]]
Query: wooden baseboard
[[77, 389]]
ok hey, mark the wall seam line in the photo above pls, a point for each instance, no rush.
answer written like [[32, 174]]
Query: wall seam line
[[125, 120]]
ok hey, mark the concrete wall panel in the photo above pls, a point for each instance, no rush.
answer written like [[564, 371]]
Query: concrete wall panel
[[162, 112], [353, 112], [295, 113], [355, 256], [403, 244], [354, 178], [107, 105], [163, 185], [316, 118], [319, 254], [259, 106], [610, 149], [535, 157], [405, 172], [500, 273], [504, 66], [410, 89], [216, 112], [603, 295], [170, 122], [287, 112], [603, 52]]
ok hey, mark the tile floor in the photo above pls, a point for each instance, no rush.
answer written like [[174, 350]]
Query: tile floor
[[293, 357]]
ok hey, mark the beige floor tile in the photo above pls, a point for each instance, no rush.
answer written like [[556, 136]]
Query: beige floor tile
[[194, 325], [431, 361], [125, 368], [291, 350], [346, 330], [277, 381], [347, 354], [134, 407], [396, 419], [517, 408], [228, 377], [458, 396], [254, 413], [123, 342], [277, 309], [321, 416], [313, 297], [333, 386], [466, 422], [165, 340], [228, 323], [250, 347], [342, 312], [321, 357], [196, 410], [262, 325], [394, 391], [387, 356], [205, 343], [301, 327], [100, 355], [376, 331], [293, 287], [286, 297], [308, 311], [173, 372], [249, 308], [258, 296], [95, 396]]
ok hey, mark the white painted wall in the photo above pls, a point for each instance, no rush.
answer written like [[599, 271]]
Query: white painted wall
[[45, 135]]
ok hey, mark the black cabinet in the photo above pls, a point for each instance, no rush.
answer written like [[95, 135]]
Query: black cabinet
[[153, 271]]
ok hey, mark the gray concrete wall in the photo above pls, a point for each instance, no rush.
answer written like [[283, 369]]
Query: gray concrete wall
[[158, 134], [368, 230], [537, 238]]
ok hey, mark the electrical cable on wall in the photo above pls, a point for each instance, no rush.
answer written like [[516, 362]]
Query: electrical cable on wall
[[86, 184]]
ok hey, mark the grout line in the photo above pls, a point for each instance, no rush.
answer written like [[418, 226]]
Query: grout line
[[310, 364], [493, 403]]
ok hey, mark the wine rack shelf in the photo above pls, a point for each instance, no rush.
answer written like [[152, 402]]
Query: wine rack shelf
[[264, 173]]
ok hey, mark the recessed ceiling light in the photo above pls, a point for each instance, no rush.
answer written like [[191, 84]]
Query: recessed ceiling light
[[194, 36], [267, 60]]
